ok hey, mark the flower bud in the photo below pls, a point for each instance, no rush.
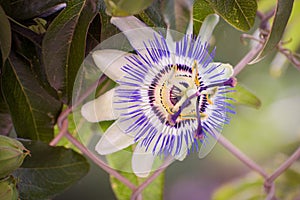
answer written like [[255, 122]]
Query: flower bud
[[8, 190], [12, 154]]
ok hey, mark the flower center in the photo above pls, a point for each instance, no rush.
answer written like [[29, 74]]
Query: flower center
[[171, 91]]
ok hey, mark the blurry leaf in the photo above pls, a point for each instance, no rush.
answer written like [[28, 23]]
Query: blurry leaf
[[251, 186], [5, 36], [64, 45], [39, 27], [243, 96], [26, 9], [153, 15], [122, 160], [201, 10], [177, 14], [239, 13], [126, 7], [5, 119], [48, 171], [282, 15], [32, 109], [107, 29]]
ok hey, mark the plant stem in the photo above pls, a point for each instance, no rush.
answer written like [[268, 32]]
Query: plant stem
[[99, 162], [241, 156], [138, 191], [284, 166], [245, 60]]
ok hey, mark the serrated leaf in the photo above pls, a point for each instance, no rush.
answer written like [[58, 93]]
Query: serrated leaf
[[239, 13], [242, 96], [123, 8], [177, 14], [282, 15], [64, 45], [24, 9], [201, 10], [121, 160], [32, 109], [5, 36], [48, 171]]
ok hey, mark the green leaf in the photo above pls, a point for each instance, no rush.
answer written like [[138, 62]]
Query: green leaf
[[282, 15], [250, 186], [121, 160], [239, 13], [177, 14], [24, 9], [5, 36], [201, 10], [33, 110], [48, 171], [153, 15], [5, 119], [64, 45], [121, 8], [243, 96]]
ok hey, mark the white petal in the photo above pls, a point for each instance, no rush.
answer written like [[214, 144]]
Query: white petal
[[100, 109], [183, 153], [136, 31], [114, 139], [142, 161], [220, 74], [110, 61], [207, 27]]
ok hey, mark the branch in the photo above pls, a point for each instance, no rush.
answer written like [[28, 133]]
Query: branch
[[284, 166], [99, 162], [241, 156]]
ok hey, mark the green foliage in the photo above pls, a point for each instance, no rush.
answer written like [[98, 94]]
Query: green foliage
[[23, 9], [177, 14], [282, 15], [123, 8], [33, 109], [200, 11], [5, 35], [122, 161], [251, 185], [12, 154], [48, 171], [239, 13], [8, 189], [242, 96], [69, 31]]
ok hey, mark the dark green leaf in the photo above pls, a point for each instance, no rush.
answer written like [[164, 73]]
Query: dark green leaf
[[126, 7], [5, 119], [239, 13], [48, 171], [282, 15], [153, 15], [201, 10], [177, 14], [64, 44], [243, 96], [26, 9], [107, 29], [121, 160], [5, 36], [32, 109]]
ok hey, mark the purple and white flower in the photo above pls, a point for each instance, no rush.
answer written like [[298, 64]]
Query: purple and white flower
[[170, 96]]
